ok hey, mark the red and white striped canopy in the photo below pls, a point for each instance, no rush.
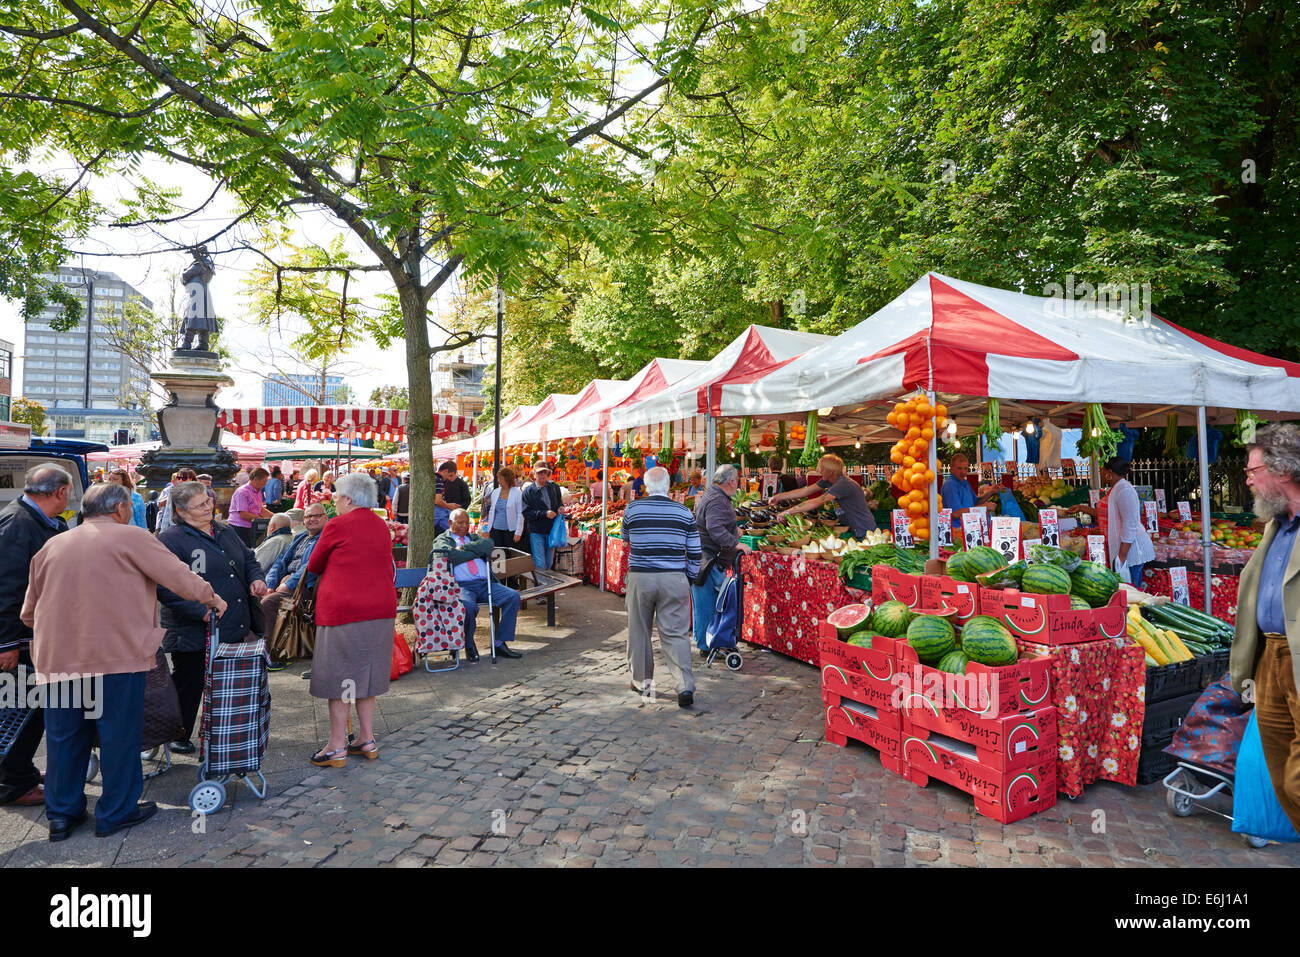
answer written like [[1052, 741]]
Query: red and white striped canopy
[[328, 421]]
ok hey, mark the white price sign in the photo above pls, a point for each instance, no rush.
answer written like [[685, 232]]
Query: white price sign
[[1050, 529], [902, 535], [1153, 518], [1028, 546], [1178, 585], [1185, 511], [1094, 497], [1006, 536], [1097, 549], [1160, 500], [943, 528], [974, 526]]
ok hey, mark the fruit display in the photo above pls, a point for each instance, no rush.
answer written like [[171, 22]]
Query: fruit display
[[919, 421], [399, 532], [989, 642], [1232, 544], [966, 565], [1093, 583], [1045, 580], [849, 619], [892, 619], [1040, 488]]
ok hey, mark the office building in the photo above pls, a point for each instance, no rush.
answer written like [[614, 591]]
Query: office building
[[280, 390], [79, 369]]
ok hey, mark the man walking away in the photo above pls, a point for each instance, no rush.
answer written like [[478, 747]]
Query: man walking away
[[719, 542], [1268, 603], [25, 526], [402, 501], [664, 558]]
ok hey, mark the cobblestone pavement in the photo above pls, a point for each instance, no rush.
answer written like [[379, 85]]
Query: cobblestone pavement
[[553, 760]]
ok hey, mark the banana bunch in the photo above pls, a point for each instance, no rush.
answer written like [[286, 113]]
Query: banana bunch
[[1162, 646]]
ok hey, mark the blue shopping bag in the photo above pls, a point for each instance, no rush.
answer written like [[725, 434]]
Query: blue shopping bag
[[559, 533], [1255, 810], [722, 629]]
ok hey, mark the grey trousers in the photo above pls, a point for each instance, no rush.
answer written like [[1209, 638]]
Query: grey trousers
[[664, 597]]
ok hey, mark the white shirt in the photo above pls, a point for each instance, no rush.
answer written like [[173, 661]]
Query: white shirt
[[514, 509], [1124, 524]]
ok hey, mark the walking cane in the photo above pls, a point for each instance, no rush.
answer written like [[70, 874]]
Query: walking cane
[[492, 625]]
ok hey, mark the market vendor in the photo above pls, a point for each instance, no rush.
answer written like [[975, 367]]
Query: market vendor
[[851, 502], [1128, 546], [957, 493]]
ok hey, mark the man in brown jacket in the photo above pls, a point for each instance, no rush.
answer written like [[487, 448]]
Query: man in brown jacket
[[90, 605]]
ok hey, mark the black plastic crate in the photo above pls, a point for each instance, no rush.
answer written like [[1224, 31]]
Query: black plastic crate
[[1164, 718], [1213, 666], [12, 722], [1173, 681], [1153, 763]]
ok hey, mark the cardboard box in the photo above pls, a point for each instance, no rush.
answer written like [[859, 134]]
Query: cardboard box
[[998, 690], [924, 591], [1011, 743], [508, 562], [1003, 795], [865, 675], [847, 719], [1049, 619], [889, 584]]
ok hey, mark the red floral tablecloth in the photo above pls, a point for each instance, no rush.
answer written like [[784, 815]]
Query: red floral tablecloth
[[615, 562], [1099, 689], [786, 598], [1223, 590]]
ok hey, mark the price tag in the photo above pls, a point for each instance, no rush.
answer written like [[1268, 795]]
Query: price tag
[[943, 528], [1153, 518], [770, 485], [1178, 585], [1185, 511], [902, 536], [1048, 525], [1006, 536], [1097, 549], [974, 526], [1094, 497], [1160, 500], [1028, 545]]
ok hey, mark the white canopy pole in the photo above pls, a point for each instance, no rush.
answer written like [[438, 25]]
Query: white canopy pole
[[934, 486], [710, 448], [1206, 546], [604, 500], [473, 451]]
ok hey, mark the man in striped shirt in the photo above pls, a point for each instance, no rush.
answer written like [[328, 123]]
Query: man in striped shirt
[[663, 558]]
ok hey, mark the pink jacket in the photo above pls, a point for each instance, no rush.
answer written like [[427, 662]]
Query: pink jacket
[[92, 598]]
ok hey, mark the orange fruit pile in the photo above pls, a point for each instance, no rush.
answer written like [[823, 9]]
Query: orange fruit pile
[[919, 422]]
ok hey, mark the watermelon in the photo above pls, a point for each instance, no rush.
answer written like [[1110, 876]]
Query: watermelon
[[849, 619], [954, 662], [931, 637], [980, 560], [862, 639], [1045, 580], [987, 641], [1094, 583], [1077, 603], [892, 618]]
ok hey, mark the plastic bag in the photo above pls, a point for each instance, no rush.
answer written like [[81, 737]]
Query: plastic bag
[[1255, 809], [559, 533], [403, 660]]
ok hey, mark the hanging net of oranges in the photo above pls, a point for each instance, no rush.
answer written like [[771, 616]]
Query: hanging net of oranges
[[919, 422]]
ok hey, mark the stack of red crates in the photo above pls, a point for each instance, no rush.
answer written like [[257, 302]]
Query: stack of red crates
[[991, 733]]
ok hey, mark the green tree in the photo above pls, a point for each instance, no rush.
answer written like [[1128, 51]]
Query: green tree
[[390, 397], [28, 412], [441, 136]]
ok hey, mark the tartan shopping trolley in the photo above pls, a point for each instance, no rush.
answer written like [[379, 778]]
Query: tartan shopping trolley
[[236, 721]]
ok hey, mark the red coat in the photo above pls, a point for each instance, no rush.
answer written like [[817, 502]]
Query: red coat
[[354, 559]]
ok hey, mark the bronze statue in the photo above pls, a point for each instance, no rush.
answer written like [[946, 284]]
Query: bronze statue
[[200, 313]]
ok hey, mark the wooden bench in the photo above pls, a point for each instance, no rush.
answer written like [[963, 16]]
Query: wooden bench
[[514, 563]]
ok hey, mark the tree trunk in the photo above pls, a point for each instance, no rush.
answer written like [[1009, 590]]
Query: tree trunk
[[419, 422]]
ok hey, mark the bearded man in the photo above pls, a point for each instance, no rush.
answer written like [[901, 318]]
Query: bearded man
[[1266, 647]]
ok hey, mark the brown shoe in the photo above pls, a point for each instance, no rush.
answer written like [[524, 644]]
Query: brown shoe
[[33, 798]]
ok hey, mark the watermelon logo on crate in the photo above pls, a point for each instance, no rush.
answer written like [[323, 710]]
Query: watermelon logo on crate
[[976, 692]]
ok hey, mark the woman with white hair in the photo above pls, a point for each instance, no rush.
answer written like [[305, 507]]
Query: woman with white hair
[[304, 495], [356, 605]]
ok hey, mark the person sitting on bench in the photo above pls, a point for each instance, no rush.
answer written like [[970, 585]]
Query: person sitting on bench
[[471, 558]]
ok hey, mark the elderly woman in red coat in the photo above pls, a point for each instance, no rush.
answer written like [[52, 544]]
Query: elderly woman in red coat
[[356, 605]]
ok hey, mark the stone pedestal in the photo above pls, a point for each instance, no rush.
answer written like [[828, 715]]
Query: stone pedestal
[[188, 423]]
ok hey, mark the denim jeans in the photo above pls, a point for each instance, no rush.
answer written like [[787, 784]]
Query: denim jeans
[[704, 599], [542, 550]]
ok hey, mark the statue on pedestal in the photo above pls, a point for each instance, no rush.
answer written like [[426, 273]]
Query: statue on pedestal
[[200, 313]]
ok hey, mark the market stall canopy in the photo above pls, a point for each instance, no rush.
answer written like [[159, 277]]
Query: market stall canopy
[[958, 338], [533, 428], [559, 425], [302, 451], [482, 440], [326, 421], [246, 451], [754, 354], [655, 376]]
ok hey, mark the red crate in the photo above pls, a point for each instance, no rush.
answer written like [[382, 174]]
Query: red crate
[[1011, 743], [1003, 795], [1006, 690], [1049, 619], [889, 584], [866, 675], [850, 721], [938, 591]]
